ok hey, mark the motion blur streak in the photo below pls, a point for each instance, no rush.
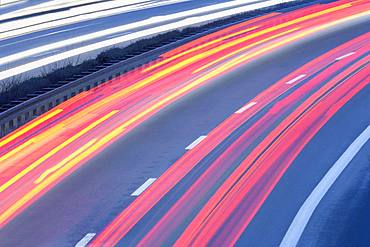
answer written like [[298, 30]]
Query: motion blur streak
[[263, 168], [199, 189], [24, 130], [36, 157], [268, 30], [54, 151], [198, 48], [136, 30], [293, 110]]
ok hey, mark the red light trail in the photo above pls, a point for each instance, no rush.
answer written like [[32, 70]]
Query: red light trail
[[36, 157]]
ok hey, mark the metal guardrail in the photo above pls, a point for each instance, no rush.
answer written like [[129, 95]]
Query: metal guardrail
[[46, 99], [24, 112]]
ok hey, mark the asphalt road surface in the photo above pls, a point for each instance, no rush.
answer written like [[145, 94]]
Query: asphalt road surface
[[230, 161]]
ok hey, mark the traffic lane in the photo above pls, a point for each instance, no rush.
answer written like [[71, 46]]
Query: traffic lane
[[167, 202], [218, 32], [36, 39], [40, 38], [171, 130], [188, 166], [123, 167], [270, 224], [13, 206], [229, 211], [342, 217], [203, 190]]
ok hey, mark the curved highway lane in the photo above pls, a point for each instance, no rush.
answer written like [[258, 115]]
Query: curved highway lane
[[183, 150], [50, 34]]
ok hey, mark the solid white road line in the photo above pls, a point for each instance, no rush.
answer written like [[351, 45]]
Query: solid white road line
[[83, 242], [247, 106], [143, 187], [344, 56], [296, 79], [196, 142], [304, 214]]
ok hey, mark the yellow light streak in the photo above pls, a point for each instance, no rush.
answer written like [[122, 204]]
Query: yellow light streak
[[54, 151], [29, 127], [198, 48], [56, 175], [254, 35], [243, 49], [16, 150], [64, 162]]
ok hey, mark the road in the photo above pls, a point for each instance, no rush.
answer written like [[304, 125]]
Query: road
[[350, 195], [79, 30], [267, 140]]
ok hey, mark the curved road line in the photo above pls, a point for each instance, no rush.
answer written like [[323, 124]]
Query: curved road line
[[304, 214]]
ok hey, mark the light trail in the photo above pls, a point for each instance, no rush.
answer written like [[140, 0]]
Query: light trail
[[71, 16], [58, 143], [183, 22], [207, 226], [221, 165], [29, 127], [271, 158]]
